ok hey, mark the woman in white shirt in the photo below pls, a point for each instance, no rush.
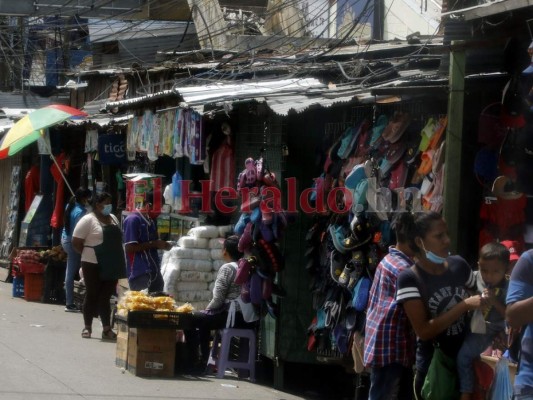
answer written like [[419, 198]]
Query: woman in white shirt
[[98, 237]]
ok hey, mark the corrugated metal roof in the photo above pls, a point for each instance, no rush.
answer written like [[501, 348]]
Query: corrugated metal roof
[[9, 116], [138, 100], [25, 100], [489, 8], [213, 93], [109, 30], [282, 96]]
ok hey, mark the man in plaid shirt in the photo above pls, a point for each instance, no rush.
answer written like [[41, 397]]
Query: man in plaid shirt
[[389, 340]]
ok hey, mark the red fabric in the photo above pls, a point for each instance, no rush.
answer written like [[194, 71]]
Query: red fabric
[[510, 213], [223, 167], [504, 213], [57, 216], [504, 220], [485, 236], [31, 186], [484, 377]]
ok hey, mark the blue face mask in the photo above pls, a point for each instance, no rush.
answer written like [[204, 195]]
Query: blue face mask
[[433, 257], [107, 209]]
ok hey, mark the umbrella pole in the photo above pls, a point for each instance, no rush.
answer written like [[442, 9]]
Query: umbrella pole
[[60, 170], [49, 149]]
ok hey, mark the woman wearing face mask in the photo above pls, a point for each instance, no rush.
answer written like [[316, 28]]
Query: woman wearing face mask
[[98, 238], [76, 208], [434, 293]]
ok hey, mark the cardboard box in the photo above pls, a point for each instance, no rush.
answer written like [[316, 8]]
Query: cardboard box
[[150, 352], [121, 358]]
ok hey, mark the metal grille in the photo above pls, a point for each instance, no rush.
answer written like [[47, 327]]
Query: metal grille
[[268, 136]]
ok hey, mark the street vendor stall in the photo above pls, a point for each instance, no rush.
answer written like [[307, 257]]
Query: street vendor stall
[[147, 328]]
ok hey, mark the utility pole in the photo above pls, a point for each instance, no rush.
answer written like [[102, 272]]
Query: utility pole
[[454, 140], [5, 76], [17, 63], [379, 20]]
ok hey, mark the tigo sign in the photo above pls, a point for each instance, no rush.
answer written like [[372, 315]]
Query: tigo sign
[[112, 149]]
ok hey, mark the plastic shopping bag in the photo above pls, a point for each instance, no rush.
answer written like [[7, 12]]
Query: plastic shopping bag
[[441, 380], [477, 323], [502, 389]]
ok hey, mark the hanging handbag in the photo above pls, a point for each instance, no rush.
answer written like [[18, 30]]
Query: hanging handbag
[[441, 380]]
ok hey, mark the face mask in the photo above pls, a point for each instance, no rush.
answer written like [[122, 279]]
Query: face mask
[[433, 257], [107, 209]]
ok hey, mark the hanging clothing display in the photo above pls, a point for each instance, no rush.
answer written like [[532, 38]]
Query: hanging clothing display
[[175, 133], [57, 216], [31, 186], [223, 166]]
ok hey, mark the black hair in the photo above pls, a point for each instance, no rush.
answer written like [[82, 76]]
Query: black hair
[[424, 220], [101, 197], [79, 195], [231, 245], [409, 225], [404, 228], [495, 251]]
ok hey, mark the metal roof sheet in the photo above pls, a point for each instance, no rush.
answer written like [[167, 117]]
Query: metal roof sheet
[[489, 8], [25, 100], [109, 30], [282, 96], [199, 95]]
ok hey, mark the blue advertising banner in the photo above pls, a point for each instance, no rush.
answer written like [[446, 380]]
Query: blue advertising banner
[[112, 149]]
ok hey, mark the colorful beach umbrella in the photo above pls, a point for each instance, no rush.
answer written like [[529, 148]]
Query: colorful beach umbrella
[[31, 127]]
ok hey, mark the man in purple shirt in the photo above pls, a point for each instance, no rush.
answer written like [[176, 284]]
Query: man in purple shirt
[[141, 245], [389, 340]]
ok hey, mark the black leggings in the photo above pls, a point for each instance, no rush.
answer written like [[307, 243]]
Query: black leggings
[[200, 334], [97, 296]]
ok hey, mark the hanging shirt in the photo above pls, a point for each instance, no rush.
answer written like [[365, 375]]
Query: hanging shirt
[[91, 140], [223, 167], [31, 186], [178, 128], [196, 142], [167, 129], [57, 216]]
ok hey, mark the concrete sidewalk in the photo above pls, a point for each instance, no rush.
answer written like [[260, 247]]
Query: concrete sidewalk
[[44, 358]]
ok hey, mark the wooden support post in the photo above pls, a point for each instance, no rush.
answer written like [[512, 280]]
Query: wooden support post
[[454, 141]]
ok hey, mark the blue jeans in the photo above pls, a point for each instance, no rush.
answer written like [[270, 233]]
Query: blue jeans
[[523, 397], [391, 382], [73, 266], [473, 345]]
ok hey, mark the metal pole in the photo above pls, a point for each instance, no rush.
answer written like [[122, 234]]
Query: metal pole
[[454, 140]]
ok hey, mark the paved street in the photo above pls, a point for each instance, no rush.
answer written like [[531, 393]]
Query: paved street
[[44, 357]]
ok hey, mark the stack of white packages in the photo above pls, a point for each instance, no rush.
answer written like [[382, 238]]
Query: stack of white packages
[[189, 269]]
